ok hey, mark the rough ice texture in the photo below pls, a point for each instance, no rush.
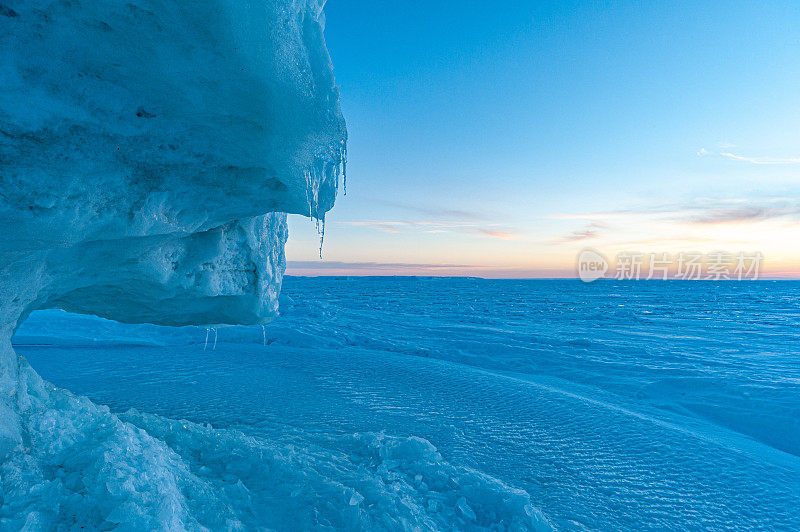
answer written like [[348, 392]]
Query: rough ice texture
[[149, 150], [90, 469], [150, 137]]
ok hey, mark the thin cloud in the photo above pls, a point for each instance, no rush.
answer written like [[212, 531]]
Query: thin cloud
[[578, 236], [387, 227], [666, 240], [438, 211], [497, 234], [761, 160], [383, 224], [598, 216], [434, 227], [700, 211], [752, 160], [590, 232], [338, 265], [753, 213]]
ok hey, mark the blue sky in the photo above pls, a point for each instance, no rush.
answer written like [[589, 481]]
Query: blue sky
[[500, 138]]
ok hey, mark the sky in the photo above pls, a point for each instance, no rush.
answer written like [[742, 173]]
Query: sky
[[499, 139]]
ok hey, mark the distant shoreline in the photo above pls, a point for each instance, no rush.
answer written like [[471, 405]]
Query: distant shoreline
[[474, 277]]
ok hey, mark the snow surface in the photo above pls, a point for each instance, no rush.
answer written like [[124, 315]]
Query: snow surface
[[86, 468], [614, 406]]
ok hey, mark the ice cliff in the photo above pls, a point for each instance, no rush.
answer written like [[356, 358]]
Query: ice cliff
[[149, 150], [146, 148]]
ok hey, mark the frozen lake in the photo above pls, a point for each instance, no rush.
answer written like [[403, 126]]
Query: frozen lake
[[660, 405]]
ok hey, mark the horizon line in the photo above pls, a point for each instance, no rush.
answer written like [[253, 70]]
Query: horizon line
[[575, 278]]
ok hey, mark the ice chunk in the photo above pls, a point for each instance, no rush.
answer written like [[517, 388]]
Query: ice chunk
[[142, 143]]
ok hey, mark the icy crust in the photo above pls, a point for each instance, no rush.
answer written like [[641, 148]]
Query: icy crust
[[79, 466]]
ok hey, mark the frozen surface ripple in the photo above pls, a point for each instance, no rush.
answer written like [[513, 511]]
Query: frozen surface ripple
[[538, 400]]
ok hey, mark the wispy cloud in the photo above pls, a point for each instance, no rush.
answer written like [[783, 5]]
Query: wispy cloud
[[666, 240], [751, 213], [579, 236], [393, 266], [700, 211], [590, 232], [382, 224], [607, 215], [699, 221], [493, 231], [752, 160], [502, 235], [761, 160], [438, 211]]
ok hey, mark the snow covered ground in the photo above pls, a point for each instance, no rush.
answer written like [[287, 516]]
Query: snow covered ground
[[605, 406]]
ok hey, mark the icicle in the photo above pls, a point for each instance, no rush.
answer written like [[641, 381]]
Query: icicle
[[206, 344], [215, 339], [312, 193], [321, 237], [264, 335], [320, 171], [320, 10], [344, 168]]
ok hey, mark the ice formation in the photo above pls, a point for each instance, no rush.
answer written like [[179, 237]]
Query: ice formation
[[160, 140], [149, 151]]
